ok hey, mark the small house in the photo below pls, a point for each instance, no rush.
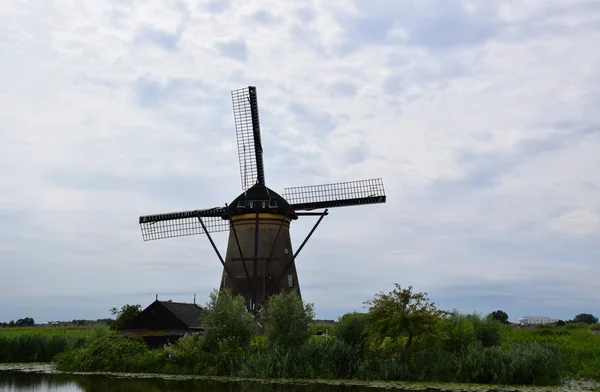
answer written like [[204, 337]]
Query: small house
[[165, 322]]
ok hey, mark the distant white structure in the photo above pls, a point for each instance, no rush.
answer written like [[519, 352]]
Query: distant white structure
[[536, 320]]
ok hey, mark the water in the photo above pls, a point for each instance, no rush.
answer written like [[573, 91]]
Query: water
[[43, 378]]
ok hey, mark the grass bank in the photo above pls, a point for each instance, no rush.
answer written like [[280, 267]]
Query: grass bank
[[468, 350], [578, 345], [34, 344], [323, 358]]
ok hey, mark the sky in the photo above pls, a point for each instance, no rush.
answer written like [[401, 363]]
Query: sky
[[481, 117]]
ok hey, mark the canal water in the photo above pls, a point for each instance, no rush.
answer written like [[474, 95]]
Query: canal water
[[43, 378]]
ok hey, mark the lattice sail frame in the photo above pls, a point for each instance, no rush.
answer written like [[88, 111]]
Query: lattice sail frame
[[341, 194], [247, 128], [181, 224]]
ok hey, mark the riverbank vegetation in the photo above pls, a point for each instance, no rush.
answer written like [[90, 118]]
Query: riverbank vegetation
[[31, 344], [403, 337]]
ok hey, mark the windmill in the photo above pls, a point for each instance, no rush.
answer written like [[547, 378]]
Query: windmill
[[259, 260]]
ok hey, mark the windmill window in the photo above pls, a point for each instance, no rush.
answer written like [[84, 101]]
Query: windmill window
[[273, 203], [242, 204], [290, 280]]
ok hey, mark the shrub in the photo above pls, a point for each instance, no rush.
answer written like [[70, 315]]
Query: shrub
[[287, 320], [351, 329], [226, 317], [487, 330], [112, 354], [458, 331]]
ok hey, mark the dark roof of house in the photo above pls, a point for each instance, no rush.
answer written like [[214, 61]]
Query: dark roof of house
[[189, 314]]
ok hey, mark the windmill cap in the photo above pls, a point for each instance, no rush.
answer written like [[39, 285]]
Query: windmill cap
[[262, 199]]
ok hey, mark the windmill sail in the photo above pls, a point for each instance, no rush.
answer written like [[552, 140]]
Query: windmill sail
[[247, 128], [180, 224], [341, 194]]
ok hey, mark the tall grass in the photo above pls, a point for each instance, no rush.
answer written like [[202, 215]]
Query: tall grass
[[43, 344], [530, 363], [579, 347], [80, 331]]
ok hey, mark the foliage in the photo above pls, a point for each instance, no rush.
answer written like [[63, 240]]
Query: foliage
[[112, 354], [579, 347], [487, 330], [351, 329], [124, 315], [585, 318], [33, 344], [402, 314], [226, 317], [324, 328], [287, 320], [500, 315], [445, 346], [458, 331], [24, 322], [79, 331]]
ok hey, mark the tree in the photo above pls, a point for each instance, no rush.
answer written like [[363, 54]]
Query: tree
[[585, 318], [500, 315], [351, 327], [25, 322], [226, 317], [124, 315], [287, 320], [402, 313]]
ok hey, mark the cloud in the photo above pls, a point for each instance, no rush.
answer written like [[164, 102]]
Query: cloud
[[265, 18], [218, 6], [163, 39], [342, 89], [430, 25], [235, 49], [481, 119]]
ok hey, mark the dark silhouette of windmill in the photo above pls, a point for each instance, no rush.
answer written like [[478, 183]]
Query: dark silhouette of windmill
[[259, 261]]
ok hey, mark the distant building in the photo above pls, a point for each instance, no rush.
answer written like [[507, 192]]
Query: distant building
[[165, 322], [528, 320]]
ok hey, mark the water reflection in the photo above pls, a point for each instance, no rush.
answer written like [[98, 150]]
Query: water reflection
[[19, 381], [43, 378], [12, 380]]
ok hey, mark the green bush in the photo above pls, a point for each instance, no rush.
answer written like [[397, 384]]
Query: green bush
[[226, 317], [487, 330], [351, 329], [287, 320], [458, 331], [112, 354]]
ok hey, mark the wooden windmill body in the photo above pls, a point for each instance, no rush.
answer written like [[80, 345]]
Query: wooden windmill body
[[260, 260]]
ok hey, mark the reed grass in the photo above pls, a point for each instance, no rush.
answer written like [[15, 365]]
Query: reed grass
[[32, 344], [516, 363]]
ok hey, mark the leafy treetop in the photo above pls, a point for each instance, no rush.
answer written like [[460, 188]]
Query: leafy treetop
[[585, 318], [402, 313], [500, 315]]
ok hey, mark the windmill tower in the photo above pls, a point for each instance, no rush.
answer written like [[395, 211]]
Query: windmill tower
[[259, 260]]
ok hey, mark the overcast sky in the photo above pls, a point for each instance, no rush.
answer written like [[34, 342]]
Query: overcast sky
[[480, 116]]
